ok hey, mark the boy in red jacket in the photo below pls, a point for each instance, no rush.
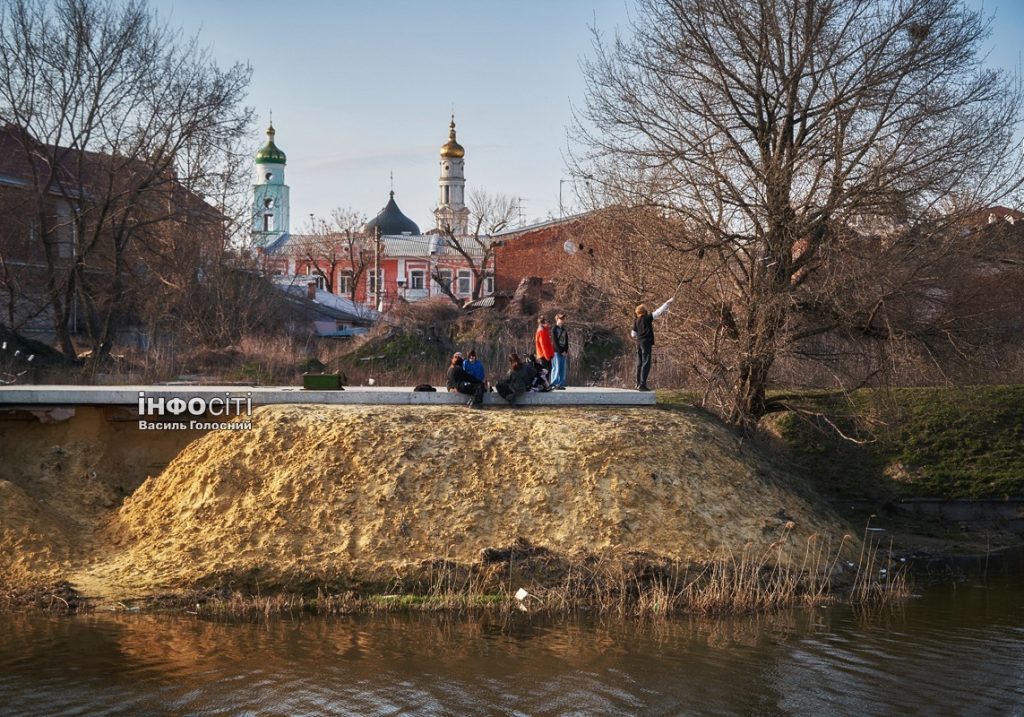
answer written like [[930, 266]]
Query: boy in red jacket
[[543, 343]]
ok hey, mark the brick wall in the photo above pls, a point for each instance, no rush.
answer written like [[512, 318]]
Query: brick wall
[[537, 253]]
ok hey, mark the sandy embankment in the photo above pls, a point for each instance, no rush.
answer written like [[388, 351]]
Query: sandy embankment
[[372, 492]]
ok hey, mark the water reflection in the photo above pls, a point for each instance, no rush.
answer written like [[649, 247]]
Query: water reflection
[[955, 650]]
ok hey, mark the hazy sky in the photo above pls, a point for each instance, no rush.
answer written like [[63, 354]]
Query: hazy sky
[[360, 89]]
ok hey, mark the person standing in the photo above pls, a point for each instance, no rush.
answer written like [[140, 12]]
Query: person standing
[[643, 334], [544, 346], [560, 362]]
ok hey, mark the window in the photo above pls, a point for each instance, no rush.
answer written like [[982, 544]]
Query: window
[[416, 279], [465, 282], [371, 280], [488, 285], [444, 195], [268, 222], [344, 280], [445, 279], [268, 203], [269, 176]]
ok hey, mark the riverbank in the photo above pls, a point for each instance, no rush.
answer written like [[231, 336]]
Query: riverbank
[[367, 508], [381, 500]]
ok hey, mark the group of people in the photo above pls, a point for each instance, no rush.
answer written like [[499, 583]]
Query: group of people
[[546, 369]]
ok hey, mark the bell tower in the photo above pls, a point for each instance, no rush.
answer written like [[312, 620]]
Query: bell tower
[[270, 194], [451, 204]]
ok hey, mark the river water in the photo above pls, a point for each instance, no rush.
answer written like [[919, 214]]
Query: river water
[[956, 649]]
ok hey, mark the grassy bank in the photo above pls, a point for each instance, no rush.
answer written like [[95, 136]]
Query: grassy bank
[[910, 442]]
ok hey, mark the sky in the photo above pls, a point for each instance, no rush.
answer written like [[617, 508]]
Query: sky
[[363, 90]]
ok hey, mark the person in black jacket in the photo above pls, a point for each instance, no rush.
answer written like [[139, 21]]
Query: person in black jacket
[[459, 381], [643, 334], [560, 362], [519, 379]]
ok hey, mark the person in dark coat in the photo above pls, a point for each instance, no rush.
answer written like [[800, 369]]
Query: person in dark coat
[[560, 362], [643, 334], [459, 381], [519, 379]]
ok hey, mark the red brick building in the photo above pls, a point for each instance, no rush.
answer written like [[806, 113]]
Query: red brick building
[[539, 250]]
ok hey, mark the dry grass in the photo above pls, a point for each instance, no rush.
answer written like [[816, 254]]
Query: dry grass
[[879, 580], [784, 576], [781, 577]]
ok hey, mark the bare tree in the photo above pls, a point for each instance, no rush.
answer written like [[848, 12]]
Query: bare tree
[[335, 247], [122, 125], [801, 155], [488, 214]]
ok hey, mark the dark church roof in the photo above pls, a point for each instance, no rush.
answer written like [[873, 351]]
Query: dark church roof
[[391, 221]]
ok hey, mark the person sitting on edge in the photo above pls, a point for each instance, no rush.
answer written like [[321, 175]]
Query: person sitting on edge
[[560, 363], [643, 334], [544, 346], [541, 375], [517, 382], [458, 381], [473, 367]]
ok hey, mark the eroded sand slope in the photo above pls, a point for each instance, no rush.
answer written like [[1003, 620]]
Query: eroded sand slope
[[372, 491]]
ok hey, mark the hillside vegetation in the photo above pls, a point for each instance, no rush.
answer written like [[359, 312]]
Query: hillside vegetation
[[907, 442]]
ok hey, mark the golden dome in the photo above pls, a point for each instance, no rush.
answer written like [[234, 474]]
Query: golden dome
[[452, 149]]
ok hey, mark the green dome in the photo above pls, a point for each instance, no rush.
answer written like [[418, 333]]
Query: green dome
[[270, 154]]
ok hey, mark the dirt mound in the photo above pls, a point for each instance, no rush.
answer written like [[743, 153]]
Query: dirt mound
[[33, 545], [374, 491], [60, 478]]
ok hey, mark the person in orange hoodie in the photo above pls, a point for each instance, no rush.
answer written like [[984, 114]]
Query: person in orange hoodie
[[543, 343]]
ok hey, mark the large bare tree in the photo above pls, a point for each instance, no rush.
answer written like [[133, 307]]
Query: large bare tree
[[123, 125], [803, 156]]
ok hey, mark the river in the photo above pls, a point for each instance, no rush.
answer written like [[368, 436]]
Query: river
[[956, 649]]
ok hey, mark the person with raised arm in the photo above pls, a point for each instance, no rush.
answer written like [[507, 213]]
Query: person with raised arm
[[643, 334]]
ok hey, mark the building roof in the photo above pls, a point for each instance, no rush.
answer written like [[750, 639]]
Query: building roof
[[405, 245], [390, 220], [281, 245], [270, 153], [515, 231], [323, 303], [78, 174], [452, 149]]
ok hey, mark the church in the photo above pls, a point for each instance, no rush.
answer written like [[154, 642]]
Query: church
[[412, 265]]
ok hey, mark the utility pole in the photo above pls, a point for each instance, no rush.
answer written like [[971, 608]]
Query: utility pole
[[376, 268]]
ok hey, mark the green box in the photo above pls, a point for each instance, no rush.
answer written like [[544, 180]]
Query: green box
[[322, 382]]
